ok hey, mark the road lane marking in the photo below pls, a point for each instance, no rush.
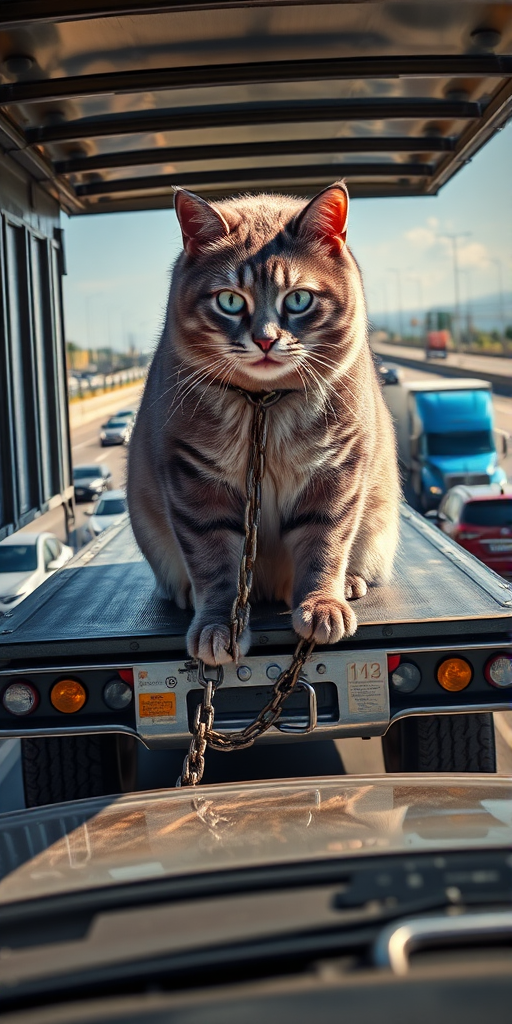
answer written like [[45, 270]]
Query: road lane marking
[[83, 444], [100, 458]]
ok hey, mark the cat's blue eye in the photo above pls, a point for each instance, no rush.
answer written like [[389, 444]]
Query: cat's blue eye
[[231, 302], [298, 302]]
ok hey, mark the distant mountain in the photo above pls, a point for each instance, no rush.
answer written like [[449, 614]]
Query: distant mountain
[[485, 313]]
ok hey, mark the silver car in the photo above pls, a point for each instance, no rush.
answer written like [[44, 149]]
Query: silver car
[[116, 431]]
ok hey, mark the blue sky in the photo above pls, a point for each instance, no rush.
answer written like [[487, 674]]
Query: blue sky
[[118, 264]]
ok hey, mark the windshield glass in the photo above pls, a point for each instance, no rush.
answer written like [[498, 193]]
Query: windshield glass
[[80, 472], [18, 557], [110, 507], [488, 513], [466, 442], [116, 423]]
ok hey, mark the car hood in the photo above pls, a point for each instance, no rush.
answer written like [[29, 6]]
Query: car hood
[[171, 833], [114, 430], [12, 582]]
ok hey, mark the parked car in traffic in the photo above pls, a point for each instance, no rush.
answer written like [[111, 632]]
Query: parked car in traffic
[[480, 519], [26, 560], [116, 431], [91, 481], [108, 510]]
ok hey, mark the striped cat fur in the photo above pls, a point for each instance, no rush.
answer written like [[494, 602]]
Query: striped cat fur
[[265, 295]]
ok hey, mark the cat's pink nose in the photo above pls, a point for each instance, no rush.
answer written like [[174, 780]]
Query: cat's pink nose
[[264, 343]]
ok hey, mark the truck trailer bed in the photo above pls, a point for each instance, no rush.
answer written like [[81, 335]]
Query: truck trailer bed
[[104, 601]]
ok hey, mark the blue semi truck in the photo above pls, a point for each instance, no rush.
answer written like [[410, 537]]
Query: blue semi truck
[[446, 436]]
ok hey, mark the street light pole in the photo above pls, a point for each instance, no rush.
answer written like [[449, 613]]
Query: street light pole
[[454, 238], [421, 308], [394, 270], [502, 304]]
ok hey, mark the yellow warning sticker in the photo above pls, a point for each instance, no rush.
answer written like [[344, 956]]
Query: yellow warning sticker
[[157, 705]]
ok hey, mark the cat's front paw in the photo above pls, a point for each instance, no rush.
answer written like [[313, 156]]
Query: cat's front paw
[[355, 586], [324, 619], [210, 642]]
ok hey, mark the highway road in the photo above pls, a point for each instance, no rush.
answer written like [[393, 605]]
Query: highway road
[[86, 450], [482, 366]]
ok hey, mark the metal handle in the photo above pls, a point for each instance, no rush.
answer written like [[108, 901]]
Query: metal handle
[[302, 684], [395, 942]]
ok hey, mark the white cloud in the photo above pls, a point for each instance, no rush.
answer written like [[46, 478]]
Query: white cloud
[[423, 237], [473, 254]]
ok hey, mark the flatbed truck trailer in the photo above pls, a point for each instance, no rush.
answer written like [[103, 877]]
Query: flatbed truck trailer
[[105, 108], [429, 663]]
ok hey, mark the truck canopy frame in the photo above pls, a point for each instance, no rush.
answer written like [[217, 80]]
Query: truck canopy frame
[[111, 104]]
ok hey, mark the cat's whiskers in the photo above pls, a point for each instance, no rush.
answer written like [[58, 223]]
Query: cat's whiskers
[[212, 381], [341, 377], [195, 379], [323, 387], [334, 384]]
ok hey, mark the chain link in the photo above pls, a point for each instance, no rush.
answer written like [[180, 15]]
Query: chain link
[[203, 732]]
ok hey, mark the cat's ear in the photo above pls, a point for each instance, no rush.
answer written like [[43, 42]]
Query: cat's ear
[[325, 218], [200, 222]]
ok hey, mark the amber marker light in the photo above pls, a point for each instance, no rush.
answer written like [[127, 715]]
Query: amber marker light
[[68, 696], [454, 674]]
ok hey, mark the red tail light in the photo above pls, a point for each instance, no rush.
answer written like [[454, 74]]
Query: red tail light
[[126, 675]]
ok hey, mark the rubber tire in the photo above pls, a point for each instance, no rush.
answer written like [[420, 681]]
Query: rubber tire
[[441, 743], [77, 767]]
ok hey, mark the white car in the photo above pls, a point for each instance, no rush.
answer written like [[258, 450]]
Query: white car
[[106, 511], [26, 561]]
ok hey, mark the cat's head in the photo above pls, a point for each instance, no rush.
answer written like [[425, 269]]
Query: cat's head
[[266, 293]]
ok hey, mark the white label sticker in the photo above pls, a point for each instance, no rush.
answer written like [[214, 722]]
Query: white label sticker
[[367, 687], [155, 696]]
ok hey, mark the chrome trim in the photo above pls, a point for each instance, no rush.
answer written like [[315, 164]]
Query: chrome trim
[[442, 648], [388, 650], [79, 730], [393, 945], [298, 730], [464, 709], [60, 670]]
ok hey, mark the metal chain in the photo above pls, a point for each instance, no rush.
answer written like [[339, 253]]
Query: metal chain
[[204, 733]]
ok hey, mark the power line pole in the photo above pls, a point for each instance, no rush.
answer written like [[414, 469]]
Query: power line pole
[[454, 238]]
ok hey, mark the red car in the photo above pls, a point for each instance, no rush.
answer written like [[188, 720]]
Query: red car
[[480, 519]]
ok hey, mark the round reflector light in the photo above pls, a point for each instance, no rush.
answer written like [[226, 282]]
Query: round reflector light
[[117, 695], [20, 698], [68, 696], [454, 674], [406, 678], [498, 671]]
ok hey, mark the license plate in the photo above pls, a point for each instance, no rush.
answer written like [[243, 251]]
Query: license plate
[[79, 490], [501, 546]]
